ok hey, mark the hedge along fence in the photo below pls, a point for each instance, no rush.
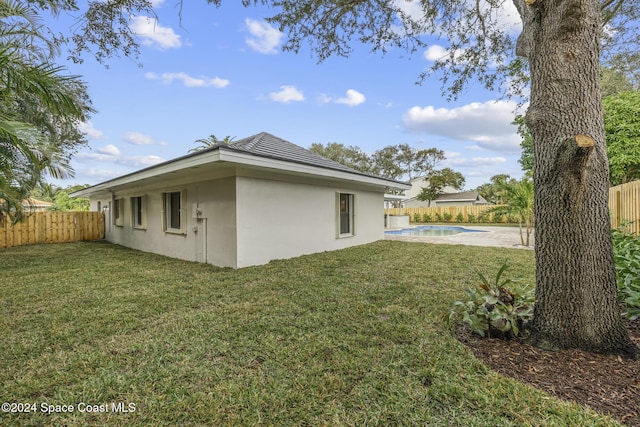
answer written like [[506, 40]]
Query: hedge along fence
[[624, 204], [51, 227], [451, 214]]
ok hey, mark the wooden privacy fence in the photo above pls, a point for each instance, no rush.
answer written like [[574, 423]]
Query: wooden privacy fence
[[449, 214], [52, 227], [624, 204]]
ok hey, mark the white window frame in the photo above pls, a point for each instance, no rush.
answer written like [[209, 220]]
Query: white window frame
[[167, 212], [345, 209], [118, 211], [139, 212]]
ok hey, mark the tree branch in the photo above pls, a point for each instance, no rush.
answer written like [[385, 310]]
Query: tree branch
[[609, 14]]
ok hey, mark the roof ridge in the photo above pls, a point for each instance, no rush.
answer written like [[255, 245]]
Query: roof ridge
[[252, 141], [261, 144]]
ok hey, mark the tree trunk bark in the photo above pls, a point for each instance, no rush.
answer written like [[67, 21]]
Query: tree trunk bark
[[576, 297]]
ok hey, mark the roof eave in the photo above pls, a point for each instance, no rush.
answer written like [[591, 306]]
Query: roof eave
[[191, 160], [243, 158], [239, 157]]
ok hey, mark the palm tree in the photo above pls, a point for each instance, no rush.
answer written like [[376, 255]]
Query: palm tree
[[211, 141], [519, 198], [27, 151], [46, 192]]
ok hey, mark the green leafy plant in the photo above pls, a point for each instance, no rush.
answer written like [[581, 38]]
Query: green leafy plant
[[438, 217], [416, 217], [459, 217], [426, 218], [498, 308], [471, 218], [626, 251], [447, 217]]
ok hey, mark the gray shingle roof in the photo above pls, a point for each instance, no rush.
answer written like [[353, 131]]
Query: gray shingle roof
[[266, 145]]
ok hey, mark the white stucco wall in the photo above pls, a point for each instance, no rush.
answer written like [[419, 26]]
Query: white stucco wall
[[216, 223], [278, 220], [246, 220]]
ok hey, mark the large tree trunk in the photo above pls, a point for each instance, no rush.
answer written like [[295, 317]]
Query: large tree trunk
[[576, 299]]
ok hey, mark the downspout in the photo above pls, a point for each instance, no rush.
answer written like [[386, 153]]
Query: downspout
[[204, 236]]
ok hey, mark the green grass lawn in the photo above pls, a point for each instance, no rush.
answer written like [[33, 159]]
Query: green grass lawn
[[351, 337]]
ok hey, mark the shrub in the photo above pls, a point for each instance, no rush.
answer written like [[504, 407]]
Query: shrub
[[495, 309], [438, 217], [426, 218], [459, 217], [447, 217], [416, 217], [471, 218], [626, 252]]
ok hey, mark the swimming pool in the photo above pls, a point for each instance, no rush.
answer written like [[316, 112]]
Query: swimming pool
[[432, 230]]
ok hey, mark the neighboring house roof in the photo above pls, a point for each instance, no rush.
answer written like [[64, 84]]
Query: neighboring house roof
[[32, 203], [463, 196], [262, 150], [418, 183], [35, 203]]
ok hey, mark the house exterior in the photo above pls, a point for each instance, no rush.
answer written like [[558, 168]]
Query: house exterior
[[31, 205], [34, 205], [449, 197], [255, 200]]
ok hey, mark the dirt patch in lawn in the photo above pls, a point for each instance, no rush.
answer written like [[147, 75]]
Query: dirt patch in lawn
[[608, 384]]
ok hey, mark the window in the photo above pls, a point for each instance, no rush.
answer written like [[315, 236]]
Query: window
[[138, 212], [118, 212], [346, 212], [173, 217]]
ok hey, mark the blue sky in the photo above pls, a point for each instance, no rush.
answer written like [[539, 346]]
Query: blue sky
[[222, 71]]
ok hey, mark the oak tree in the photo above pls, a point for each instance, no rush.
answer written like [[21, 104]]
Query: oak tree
[[437, 181], [351, 156]]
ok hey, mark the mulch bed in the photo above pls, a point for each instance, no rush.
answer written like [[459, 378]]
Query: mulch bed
[[608, 384]]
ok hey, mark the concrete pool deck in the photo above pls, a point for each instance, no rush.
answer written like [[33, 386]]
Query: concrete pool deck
[[503, 237]]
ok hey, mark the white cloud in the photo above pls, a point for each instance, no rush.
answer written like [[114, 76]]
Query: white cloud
[[506, 15], [287, 94], [475, 161], [264, 38], [352, 99], [189, 81], [410, 8], [131, 161], [91, 132], [96, 156], [110, 150], [486, 124], [436, 52], [137, 138], [154, 34], [102, 174], [141, 161]]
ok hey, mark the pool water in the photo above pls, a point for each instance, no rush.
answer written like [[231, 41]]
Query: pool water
[[431, 230]]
